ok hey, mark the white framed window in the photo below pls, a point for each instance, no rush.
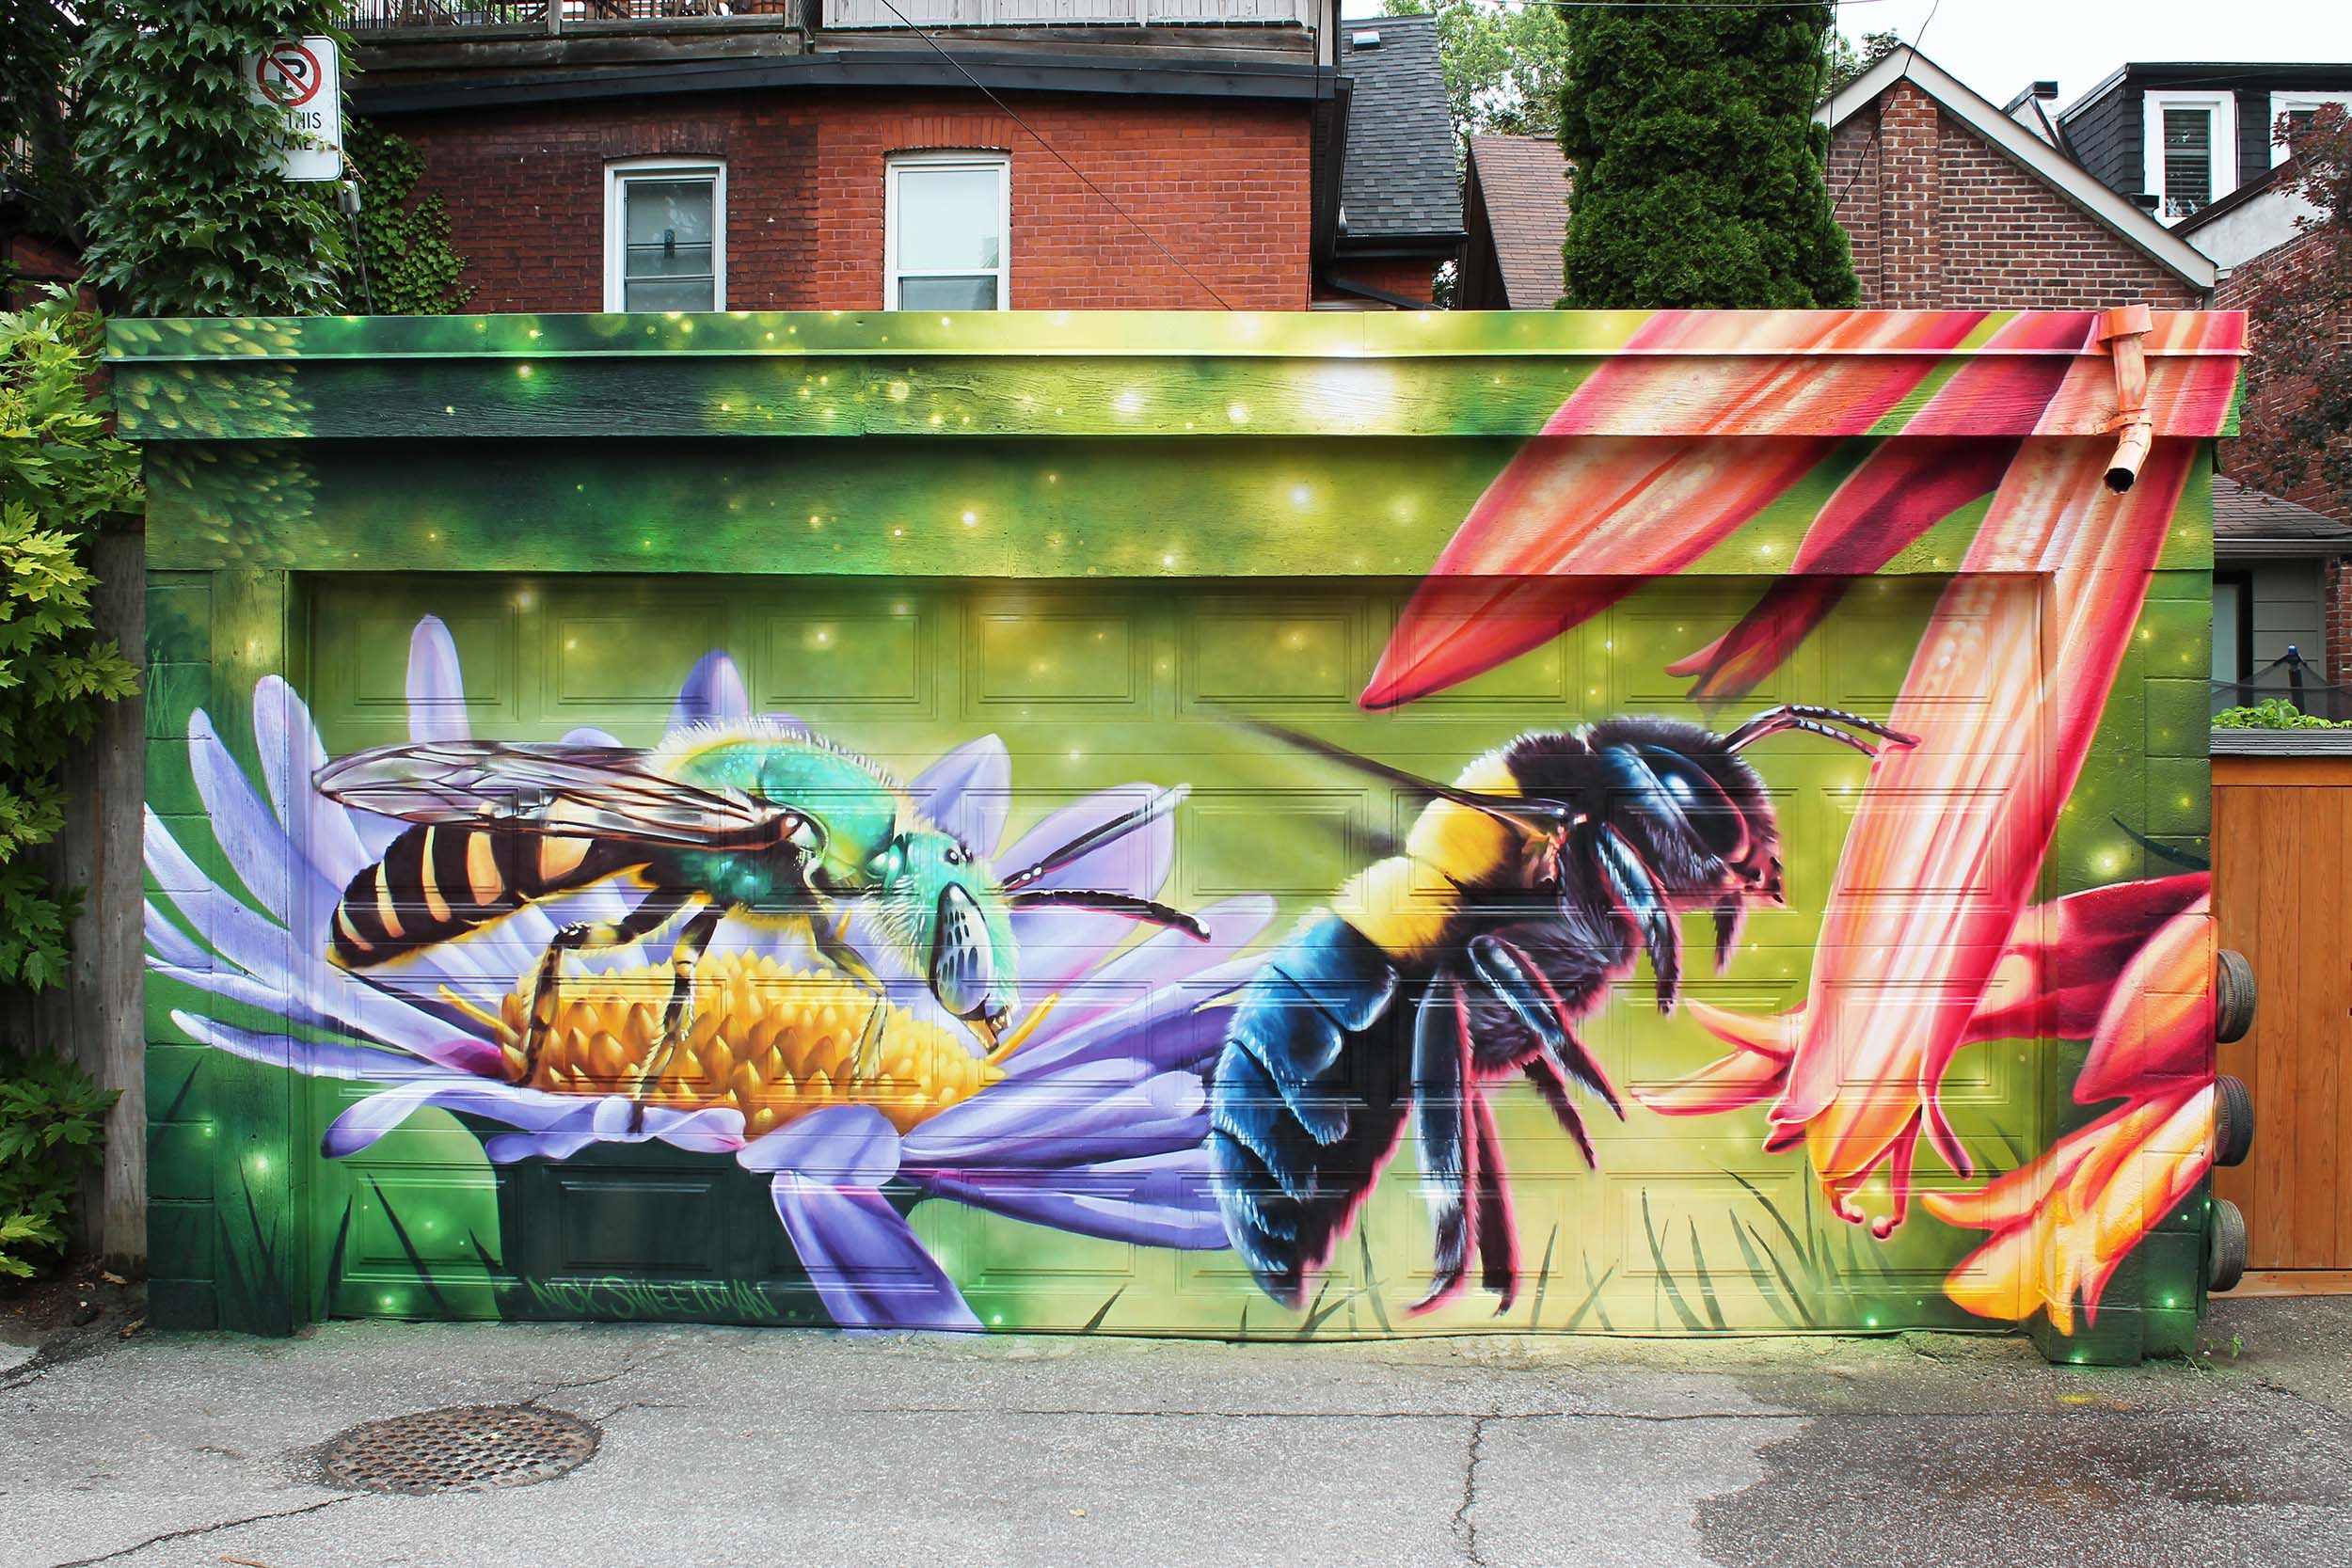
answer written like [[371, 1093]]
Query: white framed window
[[2191, 143], [2300, 108], [665, 234], [946, 232]]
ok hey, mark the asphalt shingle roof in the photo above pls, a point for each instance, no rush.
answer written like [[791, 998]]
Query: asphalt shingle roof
[[2250, 523], [1524, 183], [1399, 178]]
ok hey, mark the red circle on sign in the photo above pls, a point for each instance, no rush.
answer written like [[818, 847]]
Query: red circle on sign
[[289, 75]]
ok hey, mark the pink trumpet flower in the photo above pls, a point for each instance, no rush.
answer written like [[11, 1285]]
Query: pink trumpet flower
[[1579, 519], [2055, 980], [1902, 489], [2061, 1226], [2005, 692]]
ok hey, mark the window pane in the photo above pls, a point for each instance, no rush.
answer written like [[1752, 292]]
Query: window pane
[[2188, 160], [947, 294], [949, 219], [686, 260], [2225, 630], [674, 211], [669, 293]]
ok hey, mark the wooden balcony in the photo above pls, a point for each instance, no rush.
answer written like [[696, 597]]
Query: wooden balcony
[[379, 21], [862, 14]]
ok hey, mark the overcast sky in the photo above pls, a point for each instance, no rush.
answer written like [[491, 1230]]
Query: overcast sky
[[1997, 46]]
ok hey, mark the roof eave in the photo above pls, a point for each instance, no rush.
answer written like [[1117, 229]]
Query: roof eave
[[2066, 177]]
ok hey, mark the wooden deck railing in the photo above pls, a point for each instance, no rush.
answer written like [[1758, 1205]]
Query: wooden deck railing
[[554, 16]]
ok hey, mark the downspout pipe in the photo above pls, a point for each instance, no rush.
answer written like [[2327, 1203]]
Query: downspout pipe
[[2124, 331]]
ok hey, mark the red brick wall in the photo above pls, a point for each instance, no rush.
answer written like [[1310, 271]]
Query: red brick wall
[[1940, 218], [1223, 185]]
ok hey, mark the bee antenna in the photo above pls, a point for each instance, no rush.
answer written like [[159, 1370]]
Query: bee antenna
[[1149, 912], [1530, 814], [1815, 720], [1161, 803]]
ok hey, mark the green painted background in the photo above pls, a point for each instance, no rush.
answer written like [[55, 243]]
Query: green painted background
[[1256, 572]]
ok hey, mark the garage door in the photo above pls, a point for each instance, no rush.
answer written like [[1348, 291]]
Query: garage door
[[989, 1082]]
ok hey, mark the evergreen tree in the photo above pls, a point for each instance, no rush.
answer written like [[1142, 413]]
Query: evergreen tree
[[1697, 169]]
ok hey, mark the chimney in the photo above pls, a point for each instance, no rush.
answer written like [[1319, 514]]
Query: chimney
[[2046, 92]]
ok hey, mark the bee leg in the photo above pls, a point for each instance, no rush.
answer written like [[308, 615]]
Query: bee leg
[[680, 1012], [1552, 1084], [1640, 899], [1511, 973], [1440, 1083], [652, 913], [834, 948], [1498, 1238]]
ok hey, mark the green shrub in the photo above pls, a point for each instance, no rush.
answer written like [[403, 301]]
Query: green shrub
[[2274, 714], [52, 1120], [61, 475]]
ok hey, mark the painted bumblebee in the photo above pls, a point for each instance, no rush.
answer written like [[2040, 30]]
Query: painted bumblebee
[[1557, 859], [761, 821]]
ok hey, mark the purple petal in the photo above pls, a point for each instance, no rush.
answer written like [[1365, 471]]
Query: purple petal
[[713, 695], [792, 721], [869, 1268], [312, 1058], [504, 1148], [1091, 1111], [1165, 1033], [1137, 863], [588, 735], [1165, 961], [255, 846], [1159, 1201], [173, 945], [436, 687], [291, 756], [363, 1124], [851, 1145], [967, 793], [1059, 945]]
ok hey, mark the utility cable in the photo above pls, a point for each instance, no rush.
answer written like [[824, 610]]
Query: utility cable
[[1005, 109]]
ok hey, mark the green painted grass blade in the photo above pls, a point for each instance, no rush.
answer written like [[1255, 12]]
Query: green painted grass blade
[[416, 1259], [335, 1264], [1103, 1312], [1796, 1297], [1802, 1244], [1706, 1282], [1371, 1281], [1543, 1280], [1763, 1277], [1665, 1273], [1592, 1297]]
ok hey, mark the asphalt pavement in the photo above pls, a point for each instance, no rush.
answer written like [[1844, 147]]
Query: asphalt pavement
[[748, 1448]]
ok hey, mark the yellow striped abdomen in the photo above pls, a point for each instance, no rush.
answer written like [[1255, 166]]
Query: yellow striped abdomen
[[439, 880], [1404, 903]]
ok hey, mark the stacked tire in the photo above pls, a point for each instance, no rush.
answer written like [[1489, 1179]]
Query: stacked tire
[[2232, 1118]]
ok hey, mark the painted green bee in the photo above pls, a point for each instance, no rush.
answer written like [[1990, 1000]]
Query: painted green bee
[[760, 821]]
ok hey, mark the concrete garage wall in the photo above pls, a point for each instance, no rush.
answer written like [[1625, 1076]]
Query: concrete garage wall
[[1279, 826]]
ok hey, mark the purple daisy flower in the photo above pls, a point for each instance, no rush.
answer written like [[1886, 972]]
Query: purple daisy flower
[[1094, 1124]]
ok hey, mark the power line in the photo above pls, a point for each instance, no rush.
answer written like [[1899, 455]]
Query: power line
[[1005, 109], [1911, 53]]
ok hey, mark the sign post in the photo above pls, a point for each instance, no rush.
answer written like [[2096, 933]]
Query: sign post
[[303, 77]]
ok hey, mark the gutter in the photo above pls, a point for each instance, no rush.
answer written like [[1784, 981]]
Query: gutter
[[1157, 76]]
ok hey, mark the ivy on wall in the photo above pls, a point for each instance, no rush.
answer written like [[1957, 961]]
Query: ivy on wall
[[187, 214], [404, 238], [62, 474]]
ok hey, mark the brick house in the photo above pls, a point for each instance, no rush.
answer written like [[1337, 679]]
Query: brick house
[[796, 155]]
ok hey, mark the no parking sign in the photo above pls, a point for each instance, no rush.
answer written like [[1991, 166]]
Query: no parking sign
[[302, 78]]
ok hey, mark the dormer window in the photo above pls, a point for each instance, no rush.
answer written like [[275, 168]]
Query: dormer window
[[2191, 142]]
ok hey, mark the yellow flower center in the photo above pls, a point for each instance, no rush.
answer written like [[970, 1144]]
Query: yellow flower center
[[771, 1042]]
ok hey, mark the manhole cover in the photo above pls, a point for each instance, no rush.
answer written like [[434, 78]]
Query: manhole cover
[[465, 1447]]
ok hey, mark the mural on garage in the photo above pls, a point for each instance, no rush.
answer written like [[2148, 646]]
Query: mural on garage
[[1536, 938]]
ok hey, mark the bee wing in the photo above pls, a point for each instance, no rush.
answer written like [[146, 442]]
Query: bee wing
[[585, 791]]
